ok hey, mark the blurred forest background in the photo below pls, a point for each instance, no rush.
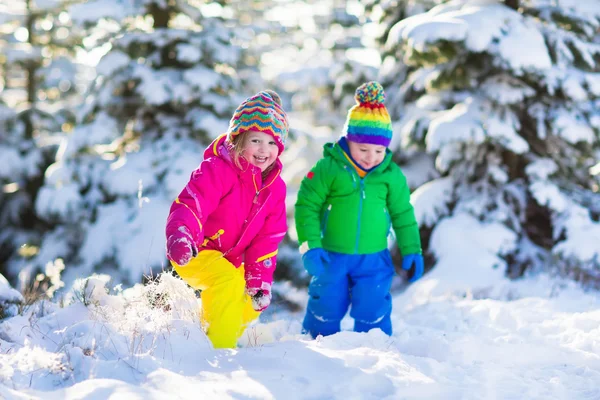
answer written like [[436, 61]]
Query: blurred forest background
[[107, 105]]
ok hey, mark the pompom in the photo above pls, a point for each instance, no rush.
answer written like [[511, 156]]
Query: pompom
[[370, 93], [274, 96]]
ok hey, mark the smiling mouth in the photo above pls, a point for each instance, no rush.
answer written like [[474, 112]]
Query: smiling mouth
[[260, 159]]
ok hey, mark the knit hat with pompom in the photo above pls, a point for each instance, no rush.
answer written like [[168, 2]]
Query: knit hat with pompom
[[368, 121], [262, 112]]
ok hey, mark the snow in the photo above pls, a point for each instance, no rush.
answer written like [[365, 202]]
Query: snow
[[505, 89], [11, 162], [582, 236], [524, 48], [7, 293], [95, 10], [481, 26], [592, 81], [188, 53], [580, 8], [127, 174], [138, 244], [576, 233], [112, 62], [541, 169], [548, 194], [472, 122], [21, 53], [419, 170], [462, 237], [58, 201], [102, 130], [464, 331], [46, 4], [419, 36], [206, 121], [572, 127], [202, 77], [431, 200], [530, 339], [154, 85], [574, 89]]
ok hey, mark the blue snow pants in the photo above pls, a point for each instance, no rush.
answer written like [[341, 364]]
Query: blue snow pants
[[359, 281]]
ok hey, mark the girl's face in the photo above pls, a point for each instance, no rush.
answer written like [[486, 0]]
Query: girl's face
[[367, 155], [260, 149]]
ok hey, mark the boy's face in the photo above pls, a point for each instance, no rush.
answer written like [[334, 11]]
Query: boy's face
[[260, 149], [367, 155]]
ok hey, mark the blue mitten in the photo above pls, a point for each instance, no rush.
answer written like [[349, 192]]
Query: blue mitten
[[314, 261], [407, 263]]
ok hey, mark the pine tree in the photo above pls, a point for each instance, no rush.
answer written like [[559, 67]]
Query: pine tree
[[416, 164], [167, 86], [393, 72], [506, 95], [39, 85]]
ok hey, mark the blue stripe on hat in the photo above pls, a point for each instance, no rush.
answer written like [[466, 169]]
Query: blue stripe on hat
[[369, 131]]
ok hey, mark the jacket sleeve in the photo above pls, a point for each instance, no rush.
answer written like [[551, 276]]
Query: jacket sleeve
[[198, 199], [261, 255], [402, 214], [312, 195]]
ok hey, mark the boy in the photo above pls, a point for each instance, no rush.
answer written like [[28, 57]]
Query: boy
[[346, 206]]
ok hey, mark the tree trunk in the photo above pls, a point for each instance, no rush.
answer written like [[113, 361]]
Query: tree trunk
[[514, 4], [161, 16], [31, 70]]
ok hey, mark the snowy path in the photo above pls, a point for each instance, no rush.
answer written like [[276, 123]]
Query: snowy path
[[446, 347]]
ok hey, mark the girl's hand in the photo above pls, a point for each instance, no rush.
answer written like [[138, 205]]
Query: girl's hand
[[181, 248], [259, 277], [261, 298]]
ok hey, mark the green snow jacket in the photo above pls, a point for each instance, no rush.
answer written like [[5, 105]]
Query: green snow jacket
[[340, 212]]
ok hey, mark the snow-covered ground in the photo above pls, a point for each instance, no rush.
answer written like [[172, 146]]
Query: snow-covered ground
[[531, 339]]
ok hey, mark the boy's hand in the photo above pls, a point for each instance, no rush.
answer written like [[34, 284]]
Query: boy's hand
[[181, 247], [413, 259], [314, 261]]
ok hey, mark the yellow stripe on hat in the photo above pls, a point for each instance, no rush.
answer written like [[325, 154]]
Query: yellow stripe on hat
[[370, 115]]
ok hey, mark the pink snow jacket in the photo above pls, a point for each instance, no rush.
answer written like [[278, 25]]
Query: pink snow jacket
[[233, 211]]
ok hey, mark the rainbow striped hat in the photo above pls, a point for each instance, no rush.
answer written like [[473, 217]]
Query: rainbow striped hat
[[368, 121], [261, 112]]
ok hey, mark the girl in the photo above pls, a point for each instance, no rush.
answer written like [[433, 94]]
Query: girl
[[224, 228], [346, 206]]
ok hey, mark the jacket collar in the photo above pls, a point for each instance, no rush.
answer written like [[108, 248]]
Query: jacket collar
[[335, 151], [220, 148]]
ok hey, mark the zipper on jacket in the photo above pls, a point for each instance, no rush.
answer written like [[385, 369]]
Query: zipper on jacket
[[255, 200], [248, 223], [362, 196], [360, 206], [325, 218], [351, 174]]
